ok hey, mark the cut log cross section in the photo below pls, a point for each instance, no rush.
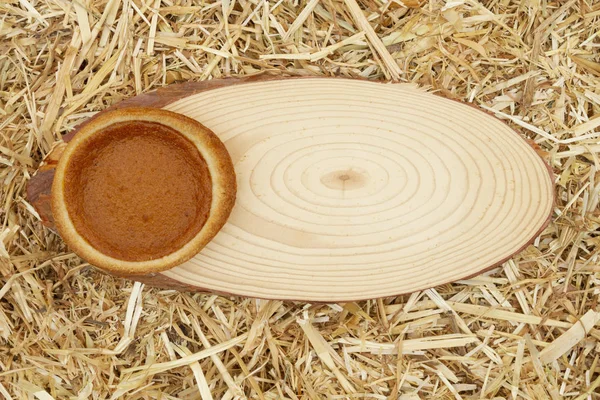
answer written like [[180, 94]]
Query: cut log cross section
[[351, 189]]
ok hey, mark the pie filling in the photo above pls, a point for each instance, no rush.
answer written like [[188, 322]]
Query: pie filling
[[138, 191]]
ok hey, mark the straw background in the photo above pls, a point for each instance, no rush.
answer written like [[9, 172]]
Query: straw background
[[523, 330]]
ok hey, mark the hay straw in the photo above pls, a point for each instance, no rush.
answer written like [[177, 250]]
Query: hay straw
[[390, 64], [300, 19], [526, 330], [570, 338]]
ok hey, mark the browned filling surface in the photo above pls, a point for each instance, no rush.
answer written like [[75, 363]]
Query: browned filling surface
[[138, 191]]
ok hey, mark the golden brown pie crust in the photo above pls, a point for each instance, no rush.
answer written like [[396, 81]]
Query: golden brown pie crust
[[141, 190]]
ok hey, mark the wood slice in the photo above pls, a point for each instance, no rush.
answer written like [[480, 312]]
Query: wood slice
[[352, 189]]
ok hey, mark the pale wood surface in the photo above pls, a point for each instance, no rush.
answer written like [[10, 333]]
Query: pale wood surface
[[351, 189]]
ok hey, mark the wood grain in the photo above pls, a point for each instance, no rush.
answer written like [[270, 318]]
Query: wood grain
[[351, 189]]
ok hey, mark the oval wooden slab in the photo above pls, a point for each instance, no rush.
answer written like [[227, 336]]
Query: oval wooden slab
[[352, 189]]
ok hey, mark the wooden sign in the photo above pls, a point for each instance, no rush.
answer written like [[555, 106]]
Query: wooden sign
[[350, 189]]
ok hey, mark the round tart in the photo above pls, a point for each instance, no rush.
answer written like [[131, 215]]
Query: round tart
[[141, 190]]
